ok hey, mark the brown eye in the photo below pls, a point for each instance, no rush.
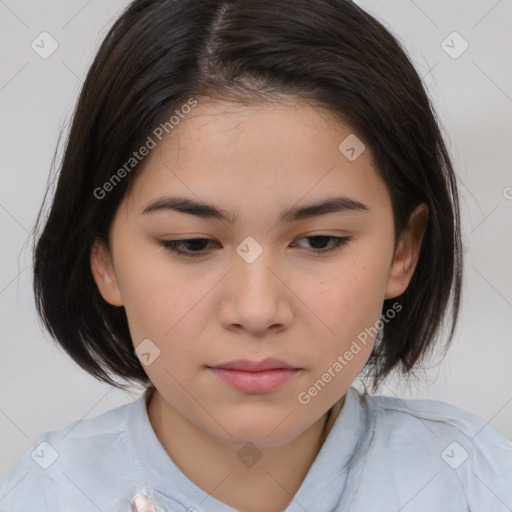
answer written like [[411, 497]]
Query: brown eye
[[320, 241], [194, 247]]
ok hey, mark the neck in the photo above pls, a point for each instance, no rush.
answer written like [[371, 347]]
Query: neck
[[268, 486]]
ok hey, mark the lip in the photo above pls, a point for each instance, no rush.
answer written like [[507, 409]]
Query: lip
[[270, 363], [254, 377]]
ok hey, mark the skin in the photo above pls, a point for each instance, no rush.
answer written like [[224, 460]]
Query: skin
[[291, 303]]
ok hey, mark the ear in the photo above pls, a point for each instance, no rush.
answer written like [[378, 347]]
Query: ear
[[103, 272], [407, 253]]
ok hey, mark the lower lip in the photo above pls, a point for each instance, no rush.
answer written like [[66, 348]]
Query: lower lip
[[255, 382]]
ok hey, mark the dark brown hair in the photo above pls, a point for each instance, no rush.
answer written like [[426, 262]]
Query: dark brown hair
[[161, 53]]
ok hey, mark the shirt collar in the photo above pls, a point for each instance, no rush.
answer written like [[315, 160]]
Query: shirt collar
[[171, 490]]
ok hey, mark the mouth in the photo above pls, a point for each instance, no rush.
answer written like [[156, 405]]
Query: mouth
[[254, 377]]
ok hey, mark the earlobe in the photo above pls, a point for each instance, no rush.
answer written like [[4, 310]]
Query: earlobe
[[407, 253], [104, 275]]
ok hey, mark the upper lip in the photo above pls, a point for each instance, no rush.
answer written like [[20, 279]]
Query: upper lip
[[270, 363]]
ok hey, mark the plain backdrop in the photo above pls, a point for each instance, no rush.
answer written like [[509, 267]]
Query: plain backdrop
[[42, 389]]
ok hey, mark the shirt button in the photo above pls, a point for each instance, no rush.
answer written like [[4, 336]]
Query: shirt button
[[141, 502]]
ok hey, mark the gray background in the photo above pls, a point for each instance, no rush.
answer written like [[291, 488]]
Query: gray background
[[42, 389]]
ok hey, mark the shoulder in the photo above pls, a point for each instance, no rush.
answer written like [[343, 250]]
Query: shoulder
[[66, 465], [437, 417], [463, 448]]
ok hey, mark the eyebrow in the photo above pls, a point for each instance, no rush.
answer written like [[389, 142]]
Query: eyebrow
[[209, 211]]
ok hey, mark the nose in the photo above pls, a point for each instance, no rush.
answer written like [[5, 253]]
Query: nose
[[256, 298], [141, 502]]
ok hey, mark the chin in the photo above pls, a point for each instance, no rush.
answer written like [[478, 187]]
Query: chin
[[268, 432]]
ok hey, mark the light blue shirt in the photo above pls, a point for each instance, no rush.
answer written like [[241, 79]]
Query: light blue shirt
[[383, 454]]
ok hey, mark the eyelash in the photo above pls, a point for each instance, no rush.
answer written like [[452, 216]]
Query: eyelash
[[172, 245]]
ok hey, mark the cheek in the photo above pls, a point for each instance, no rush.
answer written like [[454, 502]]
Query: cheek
[[348, 303], [347, 299], [158, 297]]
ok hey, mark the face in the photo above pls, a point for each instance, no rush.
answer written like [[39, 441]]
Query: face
[[248, 283]]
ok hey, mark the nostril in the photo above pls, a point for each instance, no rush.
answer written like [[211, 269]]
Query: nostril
[[141, 502]]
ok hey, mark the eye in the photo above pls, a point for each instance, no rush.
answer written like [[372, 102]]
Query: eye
[[322, 240], [195, 247], [196, 243]]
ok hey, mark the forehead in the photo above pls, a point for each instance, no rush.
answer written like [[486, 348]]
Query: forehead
[[279, 151], [224, 128]]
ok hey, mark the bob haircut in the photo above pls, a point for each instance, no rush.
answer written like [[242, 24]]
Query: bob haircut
[[158, 56]]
